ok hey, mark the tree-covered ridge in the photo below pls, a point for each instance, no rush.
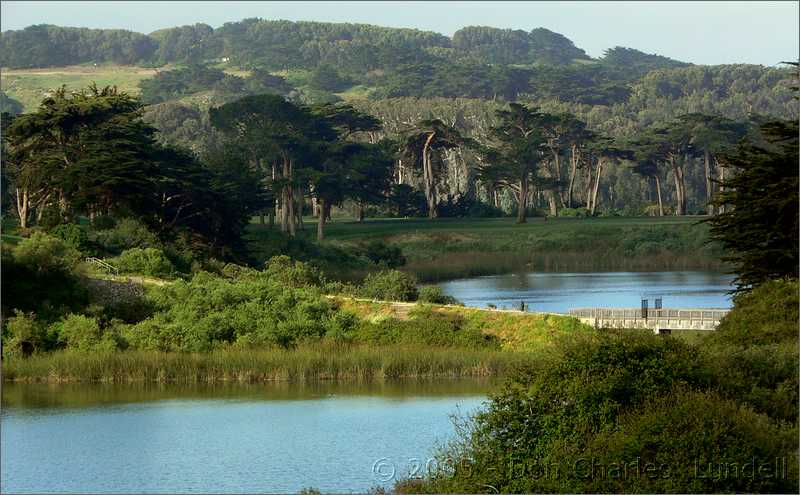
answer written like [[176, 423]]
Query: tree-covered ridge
[[515, 46], [278, 44], [44, 45]]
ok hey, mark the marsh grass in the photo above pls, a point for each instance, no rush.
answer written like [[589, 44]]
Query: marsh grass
[[475, 264], [443, 249], [308, 362]]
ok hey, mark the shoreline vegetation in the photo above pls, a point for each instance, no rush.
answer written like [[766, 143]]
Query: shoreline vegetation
[[290, 322], [391, 346], [445, 249]]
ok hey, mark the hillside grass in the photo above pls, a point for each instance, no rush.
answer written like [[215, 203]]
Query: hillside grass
[[515, 330], [29, 86]]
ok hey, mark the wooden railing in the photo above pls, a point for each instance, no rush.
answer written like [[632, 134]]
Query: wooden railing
[[656, 319], [104, 265], [635, 313]]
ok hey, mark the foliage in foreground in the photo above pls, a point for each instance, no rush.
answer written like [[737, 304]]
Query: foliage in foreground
[[760, 227], [642, 413]]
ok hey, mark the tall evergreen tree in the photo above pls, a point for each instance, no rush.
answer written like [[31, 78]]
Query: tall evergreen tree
[[759, 226]]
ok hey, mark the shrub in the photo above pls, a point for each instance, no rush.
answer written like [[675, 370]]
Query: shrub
[[39, 275], [479, 209], [426, 327], [389, 285], [433, 294], [72, 234], [103, 222], [24, 335], [573, 212], [700, 443], [52, 216], [768, 314], [549, 413], [381, 253], [144, 261], [209, 312], [83, 333], [614, 401], [46, 254], [126, 234], [290, 273]]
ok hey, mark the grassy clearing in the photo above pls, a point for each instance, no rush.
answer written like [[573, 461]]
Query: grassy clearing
[[444, 249], [319, 361], [515, 330], [29, 86]]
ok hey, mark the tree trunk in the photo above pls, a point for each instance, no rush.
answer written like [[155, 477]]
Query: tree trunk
[[289, 202], [573, 170], [551, 199], [522, 201], [721, 186], [359, 212], [399, 171], [300, 201], [23, 205], [596, 186], [709, 183], [430, 192], [557, 165], [321, 220], [271, 220], [677, 172], [658, 193]]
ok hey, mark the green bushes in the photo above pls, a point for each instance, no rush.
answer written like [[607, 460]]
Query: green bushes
[[46, 254], [127, 233], [753, 355], [72, 234], [768, 314], [144, 261], [632, 412], [39, 275], [426, 327], [209, 312], [433, 294], [381, 253], [698, 442], [83, 333], [285, 271], [24, 335], [389, 285], [573, 212]]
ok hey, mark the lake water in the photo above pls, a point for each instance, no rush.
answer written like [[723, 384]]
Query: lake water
[[266, 438], [560, 292]]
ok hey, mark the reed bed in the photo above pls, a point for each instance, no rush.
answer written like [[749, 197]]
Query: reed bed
[[475, 263], [306, 363]]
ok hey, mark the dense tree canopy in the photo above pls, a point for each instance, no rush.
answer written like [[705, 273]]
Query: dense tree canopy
[[759, 225], [90, 153]]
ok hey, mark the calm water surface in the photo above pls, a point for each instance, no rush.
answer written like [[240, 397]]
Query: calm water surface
[[560, 292], [267, 438]]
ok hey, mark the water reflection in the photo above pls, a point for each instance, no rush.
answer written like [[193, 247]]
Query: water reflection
[[560, 292], [277, 437]]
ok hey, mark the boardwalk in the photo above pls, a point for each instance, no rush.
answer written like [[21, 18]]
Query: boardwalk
[[657, 319]]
